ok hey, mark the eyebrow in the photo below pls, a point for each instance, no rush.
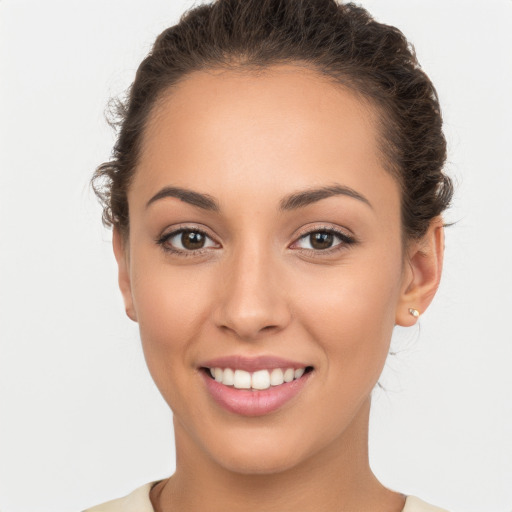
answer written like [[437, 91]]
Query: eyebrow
[[291, 202], [203, 201], [306, 197]]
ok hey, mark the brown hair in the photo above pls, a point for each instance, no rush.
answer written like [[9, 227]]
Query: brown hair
[[339, 41]]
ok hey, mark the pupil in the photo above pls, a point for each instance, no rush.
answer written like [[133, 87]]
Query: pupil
[[321, 240], [192, 240]]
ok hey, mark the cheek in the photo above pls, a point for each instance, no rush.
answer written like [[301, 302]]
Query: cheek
[[350, 317], [171, 305], [350, 313]]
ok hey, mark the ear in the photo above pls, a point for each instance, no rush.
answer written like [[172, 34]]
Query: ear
[[122, 257], [422, 273]]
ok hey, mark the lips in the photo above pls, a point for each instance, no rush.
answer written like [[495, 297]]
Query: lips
[[254, 386]]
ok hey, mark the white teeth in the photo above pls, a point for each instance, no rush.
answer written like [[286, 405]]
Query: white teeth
[[261, 379], [276, 377], [289, 374], [228, 377], [242, 379]]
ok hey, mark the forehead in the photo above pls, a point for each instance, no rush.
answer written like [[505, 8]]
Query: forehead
[[283, 101], [285, 127]]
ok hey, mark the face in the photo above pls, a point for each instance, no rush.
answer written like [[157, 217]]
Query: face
[[264, 237]]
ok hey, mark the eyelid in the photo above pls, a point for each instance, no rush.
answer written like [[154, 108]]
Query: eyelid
[[324, 227], [162, 239], [346, 239]]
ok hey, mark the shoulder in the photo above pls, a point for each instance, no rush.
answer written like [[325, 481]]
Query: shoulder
[[136, 501], [414, 504]]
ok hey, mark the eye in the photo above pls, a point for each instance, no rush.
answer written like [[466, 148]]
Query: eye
[[186, 240], [323, 240]]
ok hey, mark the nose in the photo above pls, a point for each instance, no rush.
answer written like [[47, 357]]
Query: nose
[[252, 301]]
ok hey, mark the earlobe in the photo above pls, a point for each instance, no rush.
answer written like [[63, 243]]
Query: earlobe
[[422, 275], [122, 258]]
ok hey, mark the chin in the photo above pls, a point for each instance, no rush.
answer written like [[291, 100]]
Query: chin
[[260, 452], [258, 463]]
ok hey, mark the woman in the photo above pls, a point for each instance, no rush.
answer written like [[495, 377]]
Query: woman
[[276, 194]]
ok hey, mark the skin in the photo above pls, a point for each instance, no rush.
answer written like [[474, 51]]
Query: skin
[[260, 287]]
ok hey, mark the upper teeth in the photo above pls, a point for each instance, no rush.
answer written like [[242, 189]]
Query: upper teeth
[[262, 379]]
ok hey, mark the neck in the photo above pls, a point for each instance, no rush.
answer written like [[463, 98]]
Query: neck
[[338, 478]]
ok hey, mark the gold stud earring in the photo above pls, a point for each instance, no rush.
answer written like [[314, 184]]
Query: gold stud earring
[[414, 312]]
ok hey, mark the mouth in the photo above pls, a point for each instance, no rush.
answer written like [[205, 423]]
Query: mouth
[[254, 387], [258, 380]]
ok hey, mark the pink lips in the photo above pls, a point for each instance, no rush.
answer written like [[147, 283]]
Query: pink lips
[[247, 402]]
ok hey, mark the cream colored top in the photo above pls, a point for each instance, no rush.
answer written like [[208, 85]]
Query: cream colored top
[[138, 501]]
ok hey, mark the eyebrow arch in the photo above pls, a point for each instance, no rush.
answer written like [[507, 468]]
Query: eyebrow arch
[[203, 201], [291, 202], [301, 199]]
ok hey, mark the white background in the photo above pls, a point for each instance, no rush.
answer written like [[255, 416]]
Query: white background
[[80, 419]]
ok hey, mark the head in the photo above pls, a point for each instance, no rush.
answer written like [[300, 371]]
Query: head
[[276, 191]]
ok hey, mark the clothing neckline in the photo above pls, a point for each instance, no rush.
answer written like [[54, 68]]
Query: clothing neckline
[[139, 501]]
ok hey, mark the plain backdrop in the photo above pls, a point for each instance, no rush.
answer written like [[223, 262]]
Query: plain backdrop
[[80, 419]]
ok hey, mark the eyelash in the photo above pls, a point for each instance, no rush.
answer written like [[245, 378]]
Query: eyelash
[[346, 241]]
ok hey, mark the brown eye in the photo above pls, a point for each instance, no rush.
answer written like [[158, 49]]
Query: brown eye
[[192, 240], [318, 240], [321, 240], [324, 239], [186, 241]]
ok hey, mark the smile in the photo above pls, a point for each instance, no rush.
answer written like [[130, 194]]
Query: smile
[[254, 386], [259, 380]]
